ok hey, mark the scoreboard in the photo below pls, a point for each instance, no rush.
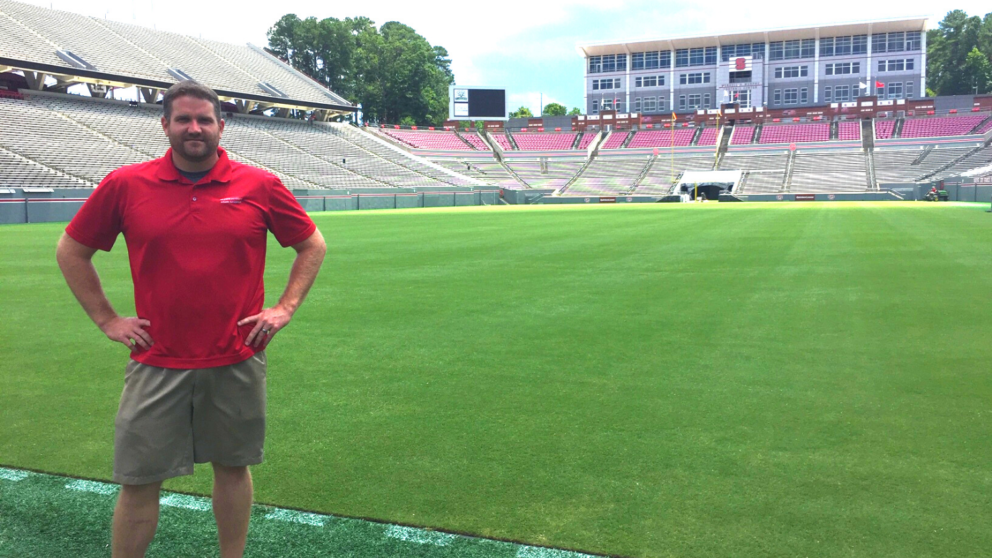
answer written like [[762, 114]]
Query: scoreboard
[[476, 103]]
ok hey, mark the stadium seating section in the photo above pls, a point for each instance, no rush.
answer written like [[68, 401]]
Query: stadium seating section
[[537, 141], [707, 136], [29, 32], [794, 133], [848, 131], [939, 126], [742, 135], [81, 140], [449, 141], [662, 138], [884, 129]]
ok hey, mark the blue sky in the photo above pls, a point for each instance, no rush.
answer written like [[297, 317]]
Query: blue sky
[[526, 46]]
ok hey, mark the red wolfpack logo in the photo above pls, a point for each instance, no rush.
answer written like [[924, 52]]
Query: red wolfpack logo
[[740, 64]]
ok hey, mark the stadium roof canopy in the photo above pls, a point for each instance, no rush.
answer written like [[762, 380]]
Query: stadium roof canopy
[[74, 49], [759, 36]]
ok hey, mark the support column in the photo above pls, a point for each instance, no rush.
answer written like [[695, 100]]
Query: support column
[[36, 80], [923, 64], [627, 102], [671, 78], [149, 94], [868, 79], [816, 68]]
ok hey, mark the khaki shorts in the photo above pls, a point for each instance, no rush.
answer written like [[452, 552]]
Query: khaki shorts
[[170, 419]]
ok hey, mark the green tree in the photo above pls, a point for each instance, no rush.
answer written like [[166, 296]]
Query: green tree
[[948, 50], [522, 112], [575, 111], [554, 109], [978, 71], [394, 72]]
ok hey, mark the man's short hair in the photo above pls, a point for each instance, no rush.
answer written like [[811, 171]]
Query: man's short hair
[[189, 88]]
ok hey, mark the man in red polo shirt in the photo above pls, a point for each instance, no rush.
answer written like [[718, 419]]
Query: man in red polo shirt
[[196, 226]]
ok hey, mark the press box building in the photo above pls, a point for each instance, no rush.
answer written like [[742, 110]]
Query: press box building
[[780, 68]]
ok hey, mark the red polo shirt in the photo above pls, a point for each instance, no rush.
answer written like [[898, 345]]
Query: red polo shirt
[[197, 253]]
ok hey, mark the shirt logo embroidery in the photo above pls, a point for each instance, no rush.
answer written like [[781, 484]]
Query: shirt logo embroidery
[[231, 200]]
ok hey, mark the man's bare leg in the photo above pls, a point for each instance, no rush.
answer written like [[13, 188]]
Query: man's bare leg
[[232, 508], [135, 519]]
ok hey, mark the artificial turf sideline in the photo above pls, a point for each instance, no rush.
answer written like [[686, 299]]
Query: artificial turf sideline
[[56, 515]]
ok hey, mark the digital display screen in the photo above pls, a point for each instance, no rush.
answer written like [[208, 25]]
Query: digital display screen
[[477, 103], [487, 103]]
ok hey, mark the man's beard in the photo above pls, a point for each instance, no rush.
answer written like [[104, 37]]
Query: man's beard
[[208, 148]]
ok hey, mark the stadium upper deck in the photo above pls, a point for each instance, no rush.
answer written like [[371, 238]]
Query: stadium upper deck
[[779, 68], [72, 48]]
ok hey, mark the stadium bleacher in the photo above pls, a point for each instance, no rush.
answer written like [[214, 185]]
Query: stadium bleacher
[[764, 172], [85, 138], [448, 141], [942, 126], [829, 171], [884, 129], [615, 140], [555, 175], [609, 176], [794, 133], [847, 131], [35, 33], [707, 136], [476, 141], [908, 164], [488, 171], [742, 135], [665, 171], [538, 141], [662, 138], [502, 140], [587, 138]]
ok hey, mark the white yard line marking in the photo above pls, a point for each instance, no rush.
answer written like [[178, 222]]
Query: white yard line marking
[[92, 486], [538, 552], [13, 474], [298, 517], [419, 536], [185, 501]]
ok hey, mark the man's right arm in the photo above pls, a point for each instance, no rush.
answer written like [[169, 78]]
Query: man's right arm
[[76, 262]]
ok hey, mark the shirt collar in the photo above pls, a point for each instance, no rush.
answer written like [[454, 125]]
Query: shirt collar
[[221, 171]]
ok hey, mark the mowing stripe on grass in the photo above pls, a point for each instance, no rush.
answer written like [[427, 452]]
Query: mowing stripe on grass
[[92, 486], [186, 502], [419, 536], [47, 515], [13, 474], [538, 552], [293, 516]]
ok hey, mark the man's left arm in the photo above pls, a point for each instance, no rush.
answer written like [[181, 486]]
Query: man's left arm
[[309, 257]]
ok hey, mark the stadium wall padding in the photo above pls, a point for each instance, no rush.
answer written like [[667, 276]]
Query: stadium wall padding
[[404, 201], [52, 210], [340, 203], [439, 199], [12, 209], [376, 201], [589, 200], [489, 197], [522, 197], [466, 198], [311, 203]]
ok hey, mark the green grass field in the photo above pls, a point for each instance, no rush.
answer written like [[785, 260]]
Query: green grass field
[[642, 380]]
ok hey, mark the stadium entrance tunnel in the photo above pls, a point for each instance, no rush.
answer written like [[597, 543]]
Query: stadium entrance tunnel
[[708, 183], [711, 191]]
